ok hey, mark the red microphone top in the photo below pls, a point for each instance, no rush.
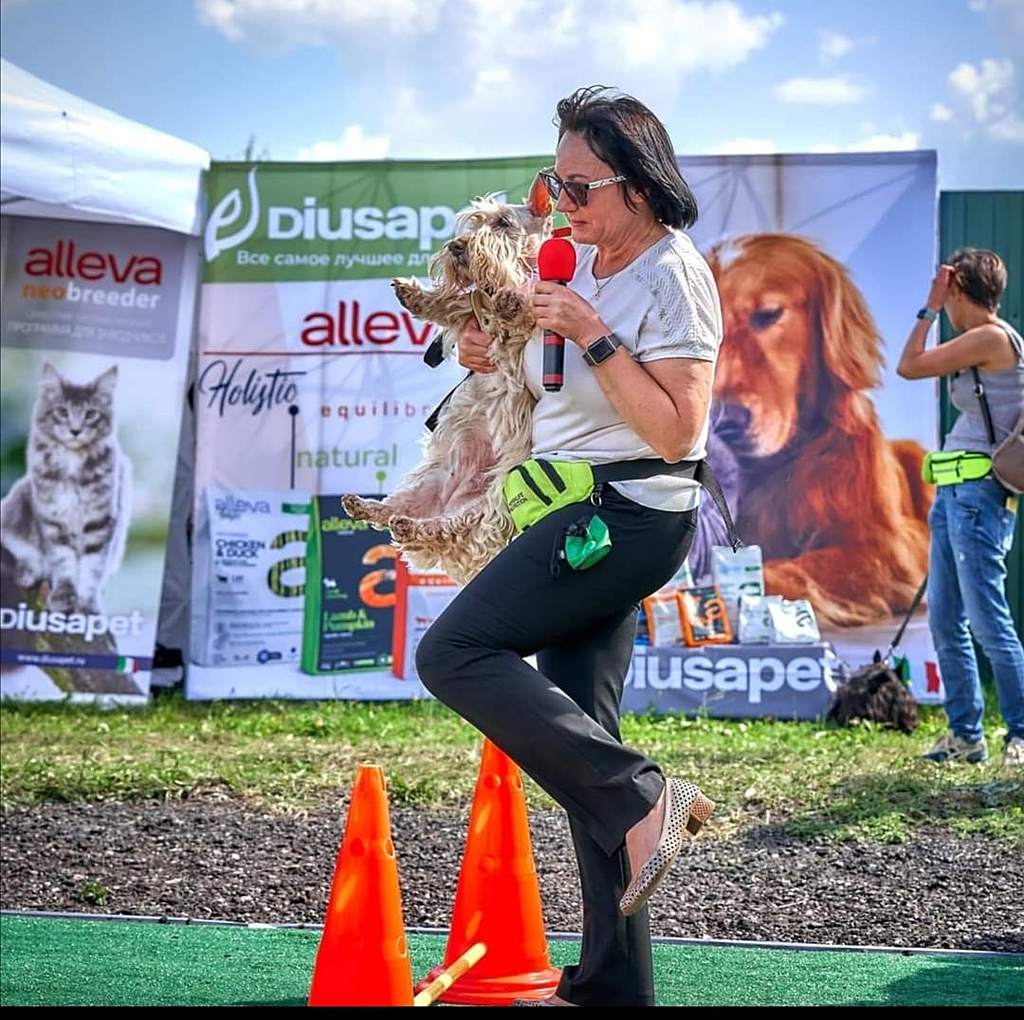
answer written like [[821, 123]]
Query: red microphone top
[[556, 260]]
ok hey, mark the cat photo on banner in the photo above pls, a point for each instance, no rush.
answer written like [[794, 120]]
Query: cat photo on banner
[[64, 522]]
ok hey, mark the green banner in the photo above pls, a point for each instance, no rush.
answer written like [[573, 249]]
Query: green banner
[[273, 222]]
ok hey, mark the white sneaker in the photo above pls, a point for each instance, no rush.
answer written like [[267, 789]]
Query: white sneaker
[[1013, 752]]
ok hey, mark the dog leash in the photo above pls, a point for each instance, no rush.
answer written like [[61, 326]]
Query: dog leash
[[906, 619]]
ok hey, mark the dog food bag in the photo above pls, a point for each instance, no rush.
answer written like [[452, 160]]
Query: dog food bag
[[756, 624], [350, 593], [735, 574], [793, 623], [421, 596], [705, 619], [664, 626], [247, 596]]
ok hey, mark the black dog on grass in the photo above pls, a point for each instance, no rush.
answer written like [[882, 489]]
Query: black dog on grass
[[877, 694]]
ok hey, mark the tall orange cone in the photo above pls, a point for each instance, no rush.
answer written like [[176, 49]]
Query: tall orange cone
[[498, 897], [363, 959]]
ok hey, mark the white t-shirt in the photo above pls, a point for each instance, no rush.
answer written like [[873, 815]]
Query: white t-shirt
[[664, 304]]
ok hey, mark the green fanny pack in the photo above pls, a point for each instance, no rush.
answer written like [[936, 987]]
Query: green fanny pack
[[539, 487], [951, 467]]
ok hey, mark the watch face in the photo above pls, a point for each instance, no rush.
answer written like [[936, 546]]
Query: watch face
[[601, 349]]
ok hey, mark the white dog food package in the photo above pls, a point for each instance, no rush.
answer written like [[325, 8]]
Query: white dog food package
[[756, 627], [248, 594], [736, 574], [773, 620], [794, 623]]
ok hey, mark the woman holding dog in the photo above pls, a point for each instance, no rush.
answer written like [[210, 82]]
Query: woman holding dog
[[973, 517], [643, 325]]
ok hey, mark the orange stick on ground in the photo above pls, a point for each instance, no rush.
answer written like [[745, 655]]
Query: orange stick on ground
[[447, 978]]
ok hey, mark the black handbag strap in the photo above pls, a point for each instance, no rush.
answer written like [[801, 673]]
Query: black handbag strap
[[986, 411]]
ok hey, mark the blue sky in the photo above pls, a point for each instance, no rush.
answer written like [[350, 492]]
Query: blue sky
[[362, 79]]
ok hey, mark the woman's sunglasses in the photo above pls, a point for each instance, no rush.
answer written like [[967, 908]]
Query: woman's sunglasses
[[578, 191]]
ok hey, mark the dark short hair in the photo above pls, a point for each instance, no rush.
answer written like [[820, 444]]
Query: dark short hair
[[623, 133], [980, 274]]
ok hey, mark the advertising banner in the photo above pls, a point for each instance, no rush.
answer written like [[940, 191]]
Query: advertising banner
[[310, 377], [311, 382], [732, 682], [95, 340], [821, 263]]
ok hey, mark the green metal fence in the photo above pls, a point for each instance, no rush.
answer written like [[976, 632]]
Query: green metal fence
[[994, 220]]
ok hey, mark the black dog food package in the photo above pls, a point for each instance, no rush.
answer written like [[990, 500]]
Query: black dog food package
[[350, 592]]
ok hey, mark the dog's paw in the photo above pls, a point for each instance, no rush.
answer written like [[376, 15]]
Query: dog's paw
[[508, 304], [403, 529], [355, 507], [410, 294]]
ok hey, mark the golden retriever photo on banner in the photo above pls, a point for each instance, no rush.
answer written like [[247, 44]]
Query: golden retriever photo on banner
[[839, 510]]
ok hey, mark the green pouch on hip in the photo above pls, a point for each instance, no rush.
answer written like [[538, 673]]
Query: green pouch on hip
[[537, 488], [951, 467], [587, 543]]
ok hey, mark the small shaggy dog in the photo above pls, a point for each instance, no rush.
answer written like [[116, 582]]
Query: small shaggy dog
[[449, 511], [876, 694]]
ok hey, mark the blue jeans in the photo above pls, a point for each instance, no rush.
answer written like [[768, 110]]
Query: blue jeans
[[972, 531]]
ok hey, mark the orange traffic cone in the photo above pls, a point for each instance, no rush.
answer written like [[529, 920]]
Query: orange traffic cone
[[498, 898], [363, 959]]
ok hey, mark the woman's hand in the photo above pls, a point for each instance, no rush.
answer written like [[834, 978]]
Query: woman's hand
[[474, 345], [939, 294], [564, 312]]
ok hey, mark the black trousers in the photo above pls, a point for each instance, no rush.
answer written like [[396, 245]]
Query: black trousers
[[560, 723]]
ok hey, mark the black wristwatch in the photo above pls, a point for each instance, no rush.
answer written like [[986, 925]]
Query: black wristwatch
[[927, 313], [601, 349]]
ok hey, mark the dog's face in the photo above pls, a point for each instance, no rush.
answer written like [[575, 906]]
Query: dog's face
[[797, 335], [494, 244]]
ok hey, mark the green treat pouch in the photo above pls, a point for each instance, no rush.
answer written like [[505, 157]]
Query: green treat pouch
[[951, 467], [586, 544], [537, 488]]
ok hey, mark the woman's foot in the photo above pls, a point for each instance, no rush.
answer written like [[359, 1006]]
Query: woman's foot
[[653, 843], [551, 1000]]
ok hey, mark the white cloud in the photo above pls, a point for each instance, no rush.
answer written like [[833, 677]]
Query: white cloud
[[885, 143], [940, 112], [1009, 129], [834, 91], [987, 97], [833, 45], [744, 147], [679, 37], [983, 86], [353, 144], [278, 25], [463, 78]]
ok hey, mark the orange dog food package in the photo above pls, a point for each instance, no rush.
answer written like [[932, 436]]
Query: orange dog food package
[[664, 623], [704, 615]]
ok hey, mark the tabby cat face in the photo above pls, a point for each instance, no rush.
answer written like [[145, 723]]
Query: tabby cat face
[[74, 415]]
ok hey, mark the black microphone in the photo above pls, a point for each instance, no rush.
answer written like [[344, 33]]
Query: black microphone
[[556, 261]]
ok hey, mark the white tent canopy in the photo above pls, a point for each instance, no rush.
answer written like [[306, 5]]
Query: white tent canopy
[[64, 157]]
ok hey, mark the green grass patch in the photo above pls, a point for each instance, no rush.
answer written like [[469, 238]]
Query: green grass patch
[[809, 780]]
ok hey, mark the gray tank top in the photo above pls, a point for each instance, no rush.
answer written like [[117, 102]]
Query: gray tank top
[[1005, 394]]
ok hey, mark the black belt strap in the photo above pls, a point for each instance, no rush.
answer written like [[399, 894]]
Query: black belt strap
[[699, 470]]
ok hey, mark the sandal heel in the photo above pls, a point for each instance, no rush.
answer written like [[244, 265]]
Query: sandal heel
[[700, 811]]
